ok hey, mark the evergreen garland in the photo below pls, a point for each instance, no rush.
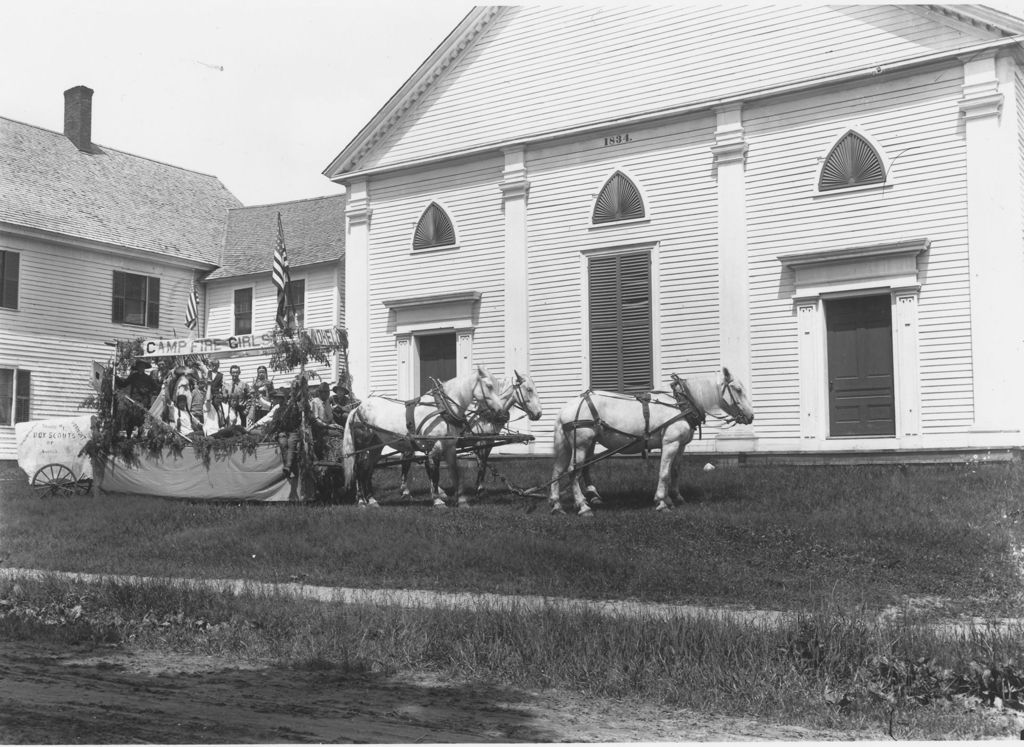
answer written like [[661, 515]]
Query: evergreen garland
[[116, 416]]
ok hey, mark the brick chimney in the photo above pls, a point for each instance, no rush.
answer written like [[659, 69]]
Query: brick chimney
[[78, 117]]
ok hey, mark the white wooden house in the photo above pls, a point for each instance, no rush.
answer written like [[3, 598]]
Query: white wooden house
[[242, 300], [98, 245], [95, 245], [826, 199]]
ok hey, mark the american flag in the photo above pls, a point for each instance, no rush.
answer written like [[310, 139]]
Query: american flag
[[282, 279], [192, 308]]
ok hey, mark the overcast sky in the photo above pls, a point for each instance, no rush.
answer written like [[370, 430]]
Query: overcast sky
[[260, 93]]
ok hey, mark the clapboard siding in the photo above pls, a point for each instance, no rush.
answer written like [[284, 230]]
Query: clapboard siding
[[914, 119], [469, 192], [671, 166], [322, 310], [541, 69], [63, 323]]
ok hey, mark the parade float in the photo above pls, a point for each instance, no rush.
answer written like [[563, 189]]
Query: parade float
[[143, 445]]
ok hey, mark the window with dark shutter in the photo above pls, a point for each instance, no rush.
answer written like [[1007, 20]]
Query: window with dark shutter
[[852, 162], [434, 229], [621, 347], [135, 300], [619, 200], [9, 268]]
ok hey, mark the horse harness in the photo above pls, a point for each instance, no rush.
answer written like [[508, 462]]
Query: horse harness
[[689, 411]]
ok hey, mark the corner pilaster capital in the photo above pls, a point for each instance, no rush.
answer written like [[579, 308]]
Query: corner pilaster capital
[[514, 182], [730, 144]]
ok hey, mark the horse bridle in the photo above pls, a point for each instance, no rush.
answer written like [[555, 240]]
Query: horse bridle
[[730, 406]]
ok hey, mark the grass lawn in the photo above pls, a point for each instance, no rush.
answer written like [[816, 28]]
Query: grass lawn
[[831, 546], [772, 537]]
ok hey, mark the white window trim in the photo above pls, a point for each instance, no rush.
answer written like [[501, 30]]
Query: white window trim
[[629, 221], [653, 249], [17, 306], [890, 177], [858, 271], [14, 369], [409, 318], [252, 311]]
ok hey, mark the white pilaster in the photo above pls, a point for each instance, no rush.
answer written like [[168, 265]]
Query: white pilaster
[[812, 371], [994, 226], [730, 152], [908, 395], [515, 188], [357, 285]]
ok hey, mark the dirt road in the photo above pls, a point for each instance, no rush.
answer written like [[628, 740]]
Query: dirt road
[[105, 696]]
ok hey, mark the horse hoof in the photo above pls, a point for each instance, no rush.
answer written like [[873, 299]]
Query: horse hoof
[[465, 504], [585, 511], [662, 506], [372, 503], [440, 504], [558, 510]]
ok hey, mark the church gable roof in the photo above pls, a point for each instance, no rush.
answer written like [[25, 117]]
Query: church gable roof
[[108, 196], [517, 73], [314, 232]]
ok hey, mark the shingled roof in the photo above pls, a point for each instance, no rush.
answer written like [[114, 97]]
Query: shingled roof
[[109, 196], [314, 231]]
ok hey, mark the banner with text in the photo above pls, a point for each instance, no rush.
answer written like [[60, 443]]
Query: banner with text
[[236, 344]]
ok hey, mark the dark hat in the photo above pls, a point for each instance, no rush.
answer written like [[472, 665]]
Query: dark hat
[[141, 363], [323, 385], [339, 387], [283, 392]]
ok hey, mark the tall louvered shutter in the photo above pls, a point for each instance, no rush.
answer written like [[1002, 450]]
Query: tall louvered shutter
[[621, 355]]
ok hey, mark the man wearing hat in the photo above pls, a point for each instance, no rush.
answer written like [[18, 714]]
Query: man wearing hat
[[139, 385], [319, 404], [340, 403]]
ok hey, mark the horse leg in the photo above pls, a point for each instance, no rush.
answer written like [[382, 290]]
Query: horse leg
[[433, 464], [365, 464], [482, 454], [407, 461], [581, 450], [593, 497], [559, 466], [671, 448]]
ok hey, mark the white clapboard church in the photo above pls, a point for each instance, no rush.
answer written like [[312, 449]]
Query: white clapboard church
[[826, 199]]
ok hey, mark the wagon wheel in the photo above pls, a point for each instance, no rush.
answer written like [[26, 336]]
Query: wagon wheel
[[53, 479]]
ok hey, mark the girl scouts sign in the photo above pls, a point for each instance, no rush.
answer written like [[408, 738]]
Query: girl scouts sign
[[326, 336]]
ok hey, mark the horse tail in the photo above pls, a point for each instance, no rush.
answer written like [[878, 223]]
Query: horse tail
[[348, 450]]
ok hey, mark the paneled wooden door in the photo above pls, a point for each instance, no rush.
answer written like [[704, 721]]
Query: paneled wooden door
[[861, 394], [437, 359]]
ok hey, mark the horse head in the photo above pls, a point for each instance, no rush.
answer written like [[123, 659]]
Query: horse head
[[524, 395], [480, 386], [732, 398]]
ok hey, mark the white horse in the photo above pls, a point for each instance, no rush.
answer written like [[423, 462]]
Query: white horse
[[517, 391], [430, 424], [631, 424]]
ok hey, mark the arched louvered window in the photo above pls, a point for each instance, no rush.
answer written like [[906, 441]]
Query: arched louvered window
[[434, 229], [852, 162], [619, 200]]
